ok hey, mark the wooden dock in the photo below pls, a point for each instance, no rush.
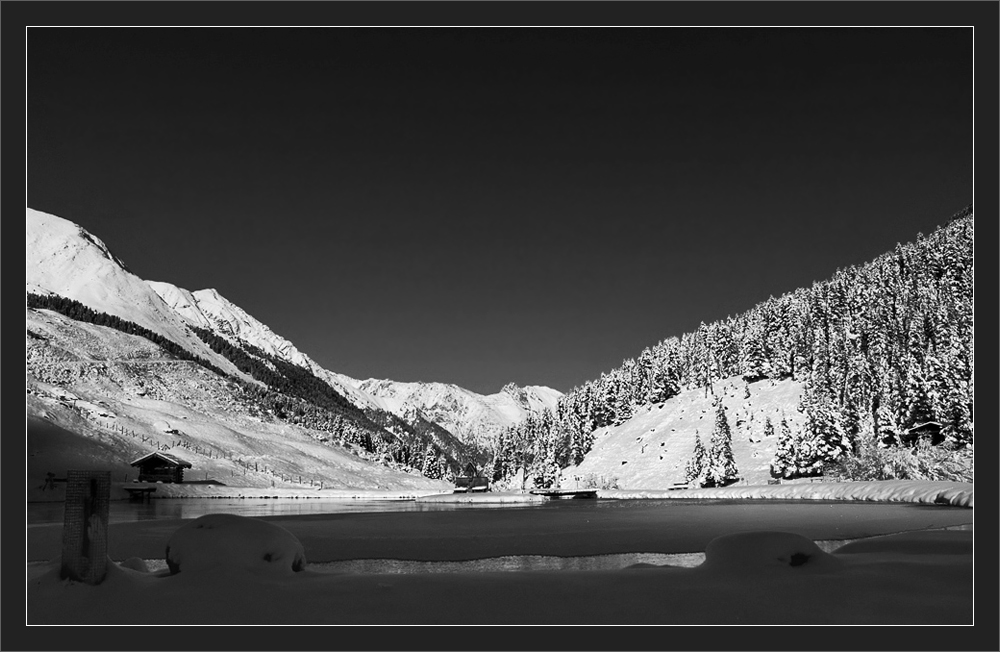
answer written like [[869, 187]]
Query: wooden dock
[[565, 493], [140, 493]]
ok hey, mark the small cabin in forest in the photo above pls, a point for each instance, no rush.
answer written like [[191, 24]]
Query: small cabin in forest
[[161, 467], [471, 481], [929, 432]]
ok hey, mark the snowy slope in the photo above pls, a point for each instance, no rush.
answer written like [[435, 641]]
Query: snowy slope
[[63, 258], [650, 450], [98, 398], [209, 309], [470, 416]]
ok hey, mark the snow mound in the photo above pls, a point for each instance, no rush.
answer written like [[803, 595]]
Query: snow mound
[[766, 551], [228, 541]]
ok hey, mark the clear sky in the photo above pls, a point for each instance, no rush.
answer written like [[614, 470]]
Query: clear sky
[[481, 206]]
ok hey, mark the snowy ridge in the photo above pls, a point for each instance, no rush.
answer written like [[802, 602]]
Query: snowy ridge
[[209, 309], [456, 409], [62, 258], [472, 417]]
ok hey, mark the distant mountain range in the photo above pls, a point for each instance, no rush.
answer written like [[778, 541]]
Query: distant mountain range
[[404, 424]]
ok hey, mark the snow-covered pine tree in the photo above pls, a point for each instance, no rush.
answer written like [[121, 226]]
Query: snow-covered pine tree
[[783, 464], [720, 466], [823, 440], [546, 467], [696, 465], [753, 363]]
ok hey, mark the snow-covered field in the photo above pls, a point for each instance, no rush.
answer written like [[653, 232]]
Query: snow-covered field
[[236, 570], [651, 448]]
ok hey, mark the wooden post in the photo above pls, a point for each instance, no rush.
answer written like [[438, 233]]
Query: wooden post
[[85, 526]]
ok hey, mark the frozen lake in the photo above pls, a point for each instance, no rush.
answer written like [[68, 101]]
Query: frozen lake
[[405, 536], [123, 511]]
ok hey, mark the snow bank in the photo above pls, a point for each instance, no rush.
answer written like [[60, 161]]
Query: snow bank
[[766, 551], [483, 497], [958, 494], [226, 541]]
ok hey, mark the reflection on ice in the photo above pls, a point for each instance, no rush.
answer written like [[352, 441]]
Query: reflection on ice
[[512, 563]]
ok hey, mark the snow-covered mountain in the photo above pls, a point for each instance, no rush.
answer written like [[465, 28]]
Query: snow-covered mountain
[[472, 417], [62, 258], [210, 310]]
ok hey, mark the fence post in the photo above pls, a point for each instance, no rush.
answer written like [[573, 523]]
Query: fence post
[[85, 526]]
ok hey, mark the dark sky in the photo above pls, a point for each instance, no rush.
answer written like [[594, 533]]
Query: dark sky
[[483, 206]]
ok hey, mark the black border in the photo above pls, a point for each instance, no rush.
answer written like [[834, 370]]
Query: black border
[[984, 16]]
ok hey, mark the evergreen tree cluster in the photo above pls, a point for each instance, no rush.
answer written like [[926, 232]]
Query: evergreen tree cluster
[[418, 440], [884, 350], [715, 467]]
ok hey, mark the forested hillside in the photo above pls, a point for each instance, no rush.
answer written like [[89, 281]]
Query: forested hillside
[[884, 352]]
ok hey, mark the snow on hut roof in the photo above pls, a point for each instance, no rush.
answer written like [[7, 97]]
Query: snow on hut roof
[[167, 457]]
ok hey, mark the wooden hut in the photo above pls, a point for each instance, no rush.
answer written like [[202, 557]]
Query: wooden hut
[[161, 467], [929, 432], [472, 480]]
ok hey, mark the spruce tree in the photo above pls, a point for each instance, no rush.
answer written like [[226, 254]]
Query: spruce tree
[[783, 464], [696, 465], [720, 468]]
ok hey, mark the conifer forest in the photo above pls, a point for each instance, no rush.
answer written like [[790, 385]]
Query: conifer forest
[[884, 351]]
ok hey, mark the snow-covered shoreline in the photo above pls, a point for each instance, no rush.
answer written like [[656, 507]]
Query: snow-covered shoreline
[[957, 494]]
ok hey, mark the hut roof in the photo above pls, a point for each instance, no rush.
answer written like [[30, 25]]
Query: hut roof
[[166, 457]]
